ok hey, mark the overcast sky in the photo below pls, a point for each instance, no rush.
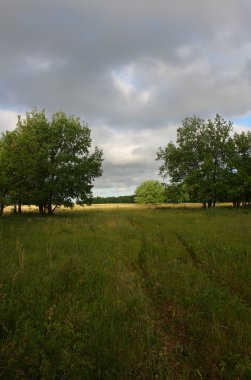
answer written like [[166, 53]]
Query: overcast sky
[[132, 69]]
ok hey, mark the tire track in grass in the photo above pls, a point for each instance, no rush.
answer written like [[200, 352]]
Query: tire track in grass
[[226, 296], [220, 326], [202, 266], [173, 348], [189, 355], [183, 351], [168, 321], [191, 252]]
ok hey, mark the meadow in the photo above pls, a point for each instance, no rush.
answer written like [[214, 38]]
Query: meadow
[[126, 293]]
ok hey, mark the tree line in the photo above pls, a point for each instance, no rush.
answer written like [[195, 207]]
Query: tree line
[[113, 199], [47, 163]]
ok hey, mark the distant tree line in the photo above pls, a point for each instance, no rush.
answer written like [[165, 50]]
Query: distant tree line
[[114, 199], [47, 163], [209, 163]]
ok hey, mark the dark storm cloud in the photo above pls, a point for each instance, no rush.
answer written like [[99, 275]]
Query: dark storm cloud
[[133, 70]]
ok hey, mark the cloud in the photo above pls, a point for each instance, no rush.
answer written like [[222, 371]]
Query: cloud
[[8, 120], [132, 70], [130, 157], [125, 80]]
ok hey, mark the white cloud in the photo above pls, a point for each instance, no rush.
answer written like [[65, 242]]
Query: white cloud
[[125, 81], [8, 120], [130, 157], [123, 84]]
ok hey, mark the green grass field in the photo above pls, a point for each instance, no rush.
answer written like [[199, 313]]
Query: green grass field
[[126, 294]]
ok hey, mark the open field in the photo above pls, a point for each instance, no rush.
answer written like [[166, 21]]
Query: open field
[[117, 206], [126, 294]]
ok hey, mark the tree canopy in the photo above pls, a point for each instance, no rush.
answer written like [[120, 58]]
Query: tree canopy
[[48, 163], [210, 160], [150, 192]]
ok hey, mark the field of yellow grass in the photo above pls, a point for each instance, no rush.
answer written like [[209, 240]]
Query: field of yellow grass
[[117, 206]]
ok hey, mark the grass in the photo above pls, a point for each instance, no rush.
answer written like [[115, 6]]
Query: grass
[[126, 294]]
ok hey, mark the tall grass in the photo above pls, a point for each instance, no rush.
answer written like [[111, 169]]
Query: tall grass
[[126, 294]]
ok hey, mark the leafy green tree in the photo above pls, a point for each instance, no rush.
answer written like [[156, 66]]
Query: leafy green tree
[[239, 162], [19, 161], [49, 163], [176, 193], [3, 180], [34, 140], [199, 158], [150, 192]]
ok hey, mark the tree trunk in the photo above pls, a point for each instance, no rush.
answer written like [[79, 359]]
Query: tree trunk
[[204, 205], [19, 207], [243, 204], [15, 208], [209, 204], [49, 207], [53, 209], [1, 209], [41, 208]]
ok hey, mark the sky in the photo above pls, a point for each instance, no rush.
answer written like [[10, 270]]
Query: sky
[[133, 70]]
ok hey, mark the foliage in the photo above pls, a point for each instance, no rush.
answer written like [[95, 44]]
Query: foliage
[[239, 161], [113, 199], [48, 163], [150, 192], [176, 193], [208, 160]]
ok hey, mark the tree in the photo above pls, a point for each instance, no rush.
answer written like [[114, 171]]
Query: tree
[[18, 161], [49, 162], [3, 181], [239, 162], [176, 193], [199, 159], [150, 192]]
